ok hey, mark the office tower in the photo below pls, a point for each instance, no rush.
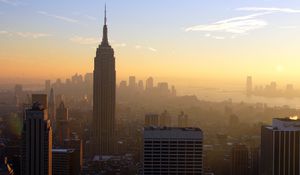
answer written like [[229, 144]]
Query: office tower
[[254, 155], [51, 106], [42, 99], [88, 78], [173, 151], [36, 153], [149, 83], [173, 91], [249, 85], [58, 99], [132, 83], [163, 88], [62, 124], [77, 145], [123, 85], [18, 89], [239, 160], [151, 120], [104, 97], [280, 147], [182, 120], [64, 162], [140, 85], [47, 86], [165, 119]]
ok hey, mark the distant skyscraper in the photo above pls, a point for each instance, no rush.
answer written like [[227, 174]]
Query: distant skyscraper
[[51, 106], [151, 120], [47, 86], [280, 147], [182, 120], [36, 142], [42, 99], [65, 162], [173, 151], [141, 85], [62, 124], [249, 85], [104, 97], [239, 160], [132, 82], [165, 119], [149, 83]]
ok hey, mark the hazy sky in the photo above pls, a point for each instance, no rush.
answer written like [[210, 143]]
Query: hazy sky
[[205, 41]]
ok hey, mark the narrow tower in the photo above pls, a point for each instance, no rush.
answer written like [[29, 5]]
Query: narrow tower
[[104, 97]]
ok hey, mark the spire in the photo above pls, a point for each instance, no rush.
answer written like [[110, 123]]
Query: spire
[[105, 14], [104, 37]]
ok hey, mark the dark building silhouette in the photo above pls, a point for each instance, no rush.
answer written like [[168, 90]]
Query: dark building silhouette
[[104, 98], [239, 160], [280, 147], [62, 124], [151, 120], [75, 144], [36, 142], [52, 107], [64, 162]]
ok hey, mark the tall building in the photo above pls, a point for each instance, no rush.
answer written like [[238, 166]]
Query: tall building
[[249, 85], [173, 151], [47, 86], [64, 162], [52, 107], [132, 83], [104, 98], [165, 119], [42, 99], [36, 157], [280, 147], [62, 124], [151, 120], [182, 119], [149, 83], [75, 144], [140, 85], [239, 160]]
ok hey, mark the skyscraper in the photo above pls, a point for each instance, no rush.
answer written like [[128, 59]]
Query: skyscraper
[[52, 110], [62, 124], [239, 160], [151, 120], [173, 151], [249, 85], [65, 162], [280, 147], [36, 142], [104, 97], [149, 83]]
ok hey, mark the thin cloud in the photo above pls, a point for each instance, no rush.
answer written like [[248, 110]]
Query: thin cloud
[[84, 40], [11, 2], [3, 32], [237, 25], [118, 45], [62, 18], [152, 49], [269, 9], [32, 35]]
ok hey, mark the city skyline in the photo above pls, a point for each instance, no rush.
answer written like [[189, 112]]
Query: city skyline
[[177, 41]]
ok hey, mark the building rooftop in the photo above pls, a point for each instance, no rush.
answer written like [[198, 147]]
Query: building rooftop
[[286, 124], [172, 132], [62, 150]]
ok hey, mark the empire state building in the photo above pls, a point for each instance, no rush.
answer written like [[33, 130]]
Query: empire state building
[[104, 97]]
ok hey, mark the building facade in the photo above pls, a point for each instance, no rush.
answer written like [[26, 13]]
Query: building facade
[[173, 151], [280, 147], [36, 156]]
